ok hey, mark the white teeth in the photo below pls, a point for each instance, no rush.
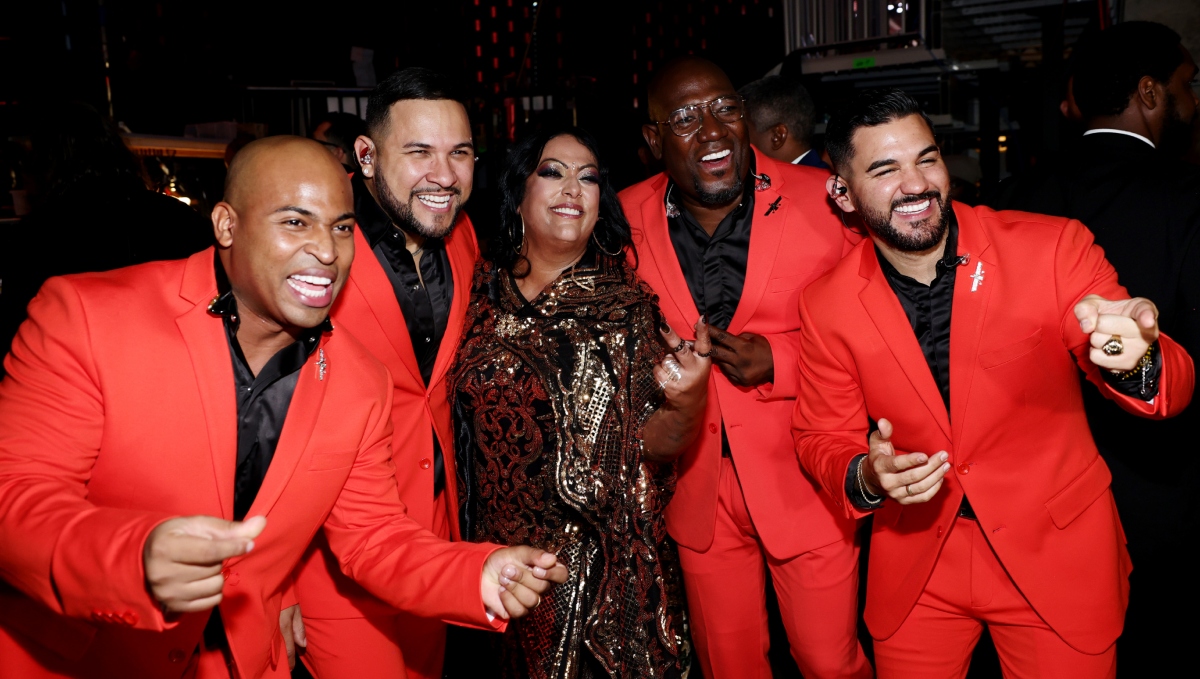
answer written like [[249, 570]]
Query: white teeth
[[434, 201], [567, 211], [306, 292], [716, 156], [313, 280], [913, 208]]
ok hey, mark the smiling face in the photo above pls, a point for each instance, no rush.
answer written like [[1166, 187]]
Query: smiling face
[[709, 165], [422, 167], [286, 232], [897, 181], [562, 198]]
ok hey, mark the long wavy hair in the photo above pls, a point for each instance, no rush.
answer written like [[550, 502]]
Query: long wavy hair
[[611, 231]]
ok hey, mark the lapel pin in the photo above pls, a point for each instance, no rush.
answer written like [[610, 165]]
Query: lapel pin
[[977, 277], [322, 366], [773, 206], [762, 182]]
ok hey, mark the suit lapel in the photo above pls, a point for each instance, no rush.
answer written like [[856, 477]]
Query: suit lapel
[[765, 233], [889, 318], [970, 308], [662, 251], [204, 335], [375, 288], [462, 270], [297, 429]]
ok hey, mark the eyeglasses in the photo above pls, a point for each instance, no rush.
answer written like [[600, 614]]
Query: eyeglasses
[[686, 120]]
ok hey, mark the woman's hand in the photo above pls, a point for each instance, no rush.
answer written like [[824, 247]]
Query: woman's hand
[[683, 377]]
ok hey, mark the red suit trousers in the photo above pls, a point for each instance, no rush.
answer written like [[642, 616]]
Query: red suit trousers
[[389, 647], [726, 591], [968, 589]]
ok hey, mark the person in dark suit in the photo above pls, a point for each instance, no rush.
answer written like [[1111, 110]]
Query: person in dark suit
[[781, 118], [1134, 86]]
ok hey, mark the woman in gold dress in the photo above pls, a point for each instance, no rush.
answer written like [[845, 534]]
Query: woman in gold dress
[[572, 399]]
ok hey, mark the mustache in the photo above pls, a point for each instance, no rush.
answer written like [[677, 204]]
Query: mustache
[[916, 198]]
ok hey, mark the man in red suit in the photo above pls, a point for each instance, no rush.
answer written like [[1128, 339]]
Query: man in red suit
[[405, 301], [728, 236], [961, 331], [173, 435]]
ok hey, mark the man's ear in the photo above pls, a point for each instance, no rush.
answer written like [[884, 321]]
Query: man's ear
[[779, 136], [223, 218], [1150, 93], [650, 134], [839, 192], [364, 155]]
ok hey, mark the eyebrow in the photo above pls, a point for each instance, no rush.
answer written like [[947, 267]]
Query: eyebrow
[[293, 208], [347, 215], [556, 160], [424, 145], [890, 161]]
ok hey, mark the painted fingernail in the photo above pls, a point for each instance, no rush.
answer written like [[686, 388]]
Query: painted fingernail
[[505, 581], [664, 328]]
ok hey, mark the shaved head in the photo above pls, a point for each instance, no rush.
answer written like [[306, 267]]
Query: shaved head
[[285, 231], [676, 72]]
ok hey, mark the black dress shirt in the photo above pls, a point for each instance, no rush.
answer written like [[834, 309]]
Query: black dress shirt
[[713, 266], [424, 294], [928, 308], [262, 407]]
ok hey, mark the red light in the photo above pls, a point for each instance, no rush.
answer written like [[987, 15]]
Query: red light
[[649, 65], [510, 27], [647, 17], [479, 50], [479, 76], [496, 62], [648, 43], [493, 12], [495, 37], [512, 51], [478, 27], [634, 78]]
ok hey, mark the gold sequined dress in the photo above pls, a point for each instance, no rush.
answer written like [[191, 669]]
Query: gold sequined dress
[[550, 398]]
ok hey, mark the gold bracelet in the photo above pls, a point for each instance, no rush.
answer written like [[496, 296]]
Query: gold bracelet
[[1142, 364]]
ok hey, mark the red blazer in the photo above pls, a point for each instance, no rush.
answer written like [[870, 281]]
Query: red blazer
[[368, 308], [790, 247], [1016, 432], [118, 413]]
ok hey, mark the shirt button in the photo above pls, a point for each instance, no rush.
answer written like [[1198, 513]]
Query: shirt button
[[712, 428], [964, 468], [416, 287], [428, 340], [425, 463], [176, 655]]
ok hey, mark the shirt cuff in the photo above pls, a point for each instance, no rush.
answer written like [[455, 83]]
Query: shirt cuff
[[1141, 382], [858, 496]]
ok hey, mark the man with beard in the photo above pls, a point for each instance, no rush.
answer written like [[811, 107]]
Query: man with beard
[[729, 236], [1134, 83], [405, 301], [960, 331]]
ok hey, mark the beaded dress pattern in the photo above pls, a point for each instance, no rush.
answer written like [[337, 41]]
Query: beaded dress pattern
[[550, 400]]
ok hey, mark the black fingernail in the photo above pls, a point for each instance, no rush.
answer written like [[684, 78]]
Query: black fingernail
[[703, 319], [664, 327]]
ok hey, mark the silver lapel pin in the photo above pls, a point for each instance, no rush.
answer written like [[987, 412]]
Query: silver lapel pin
[[977, 277], [321, 364]]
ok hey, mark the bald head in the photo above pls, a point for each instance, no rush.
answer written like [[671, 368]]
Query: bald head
[[285, 230], [681, 74]]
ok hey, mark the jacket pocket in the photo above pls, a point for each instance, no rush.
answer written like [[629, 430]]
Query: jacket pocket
[[1068, 503], [326, 461], [787, 283], [1003, 355]]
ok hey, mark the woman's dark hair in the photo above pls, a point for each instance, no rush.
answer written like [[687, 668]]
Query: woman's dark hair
[[867, 109], [73, 143], [612, 229]]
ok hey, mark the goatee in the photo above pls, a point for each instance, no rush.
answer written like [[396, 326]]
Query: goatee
[[402, 214]]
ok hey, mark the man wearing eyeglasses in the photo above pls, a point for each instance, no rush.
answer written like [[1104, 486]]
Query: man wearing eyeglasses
[[729, 236]]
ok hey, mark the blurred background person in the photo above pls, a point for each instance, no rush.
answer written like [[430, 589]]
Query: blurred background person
[[337, 132], [90, 210], [570, 410], [781, 118], [1133, 85]]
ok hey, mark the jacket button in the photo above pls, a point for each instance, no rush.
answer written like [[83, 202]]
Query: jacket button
[[97, 616], [425, 463], [176, 655], [940, 531], [129, 618], [231, 577], [712, 428], [964, 468]]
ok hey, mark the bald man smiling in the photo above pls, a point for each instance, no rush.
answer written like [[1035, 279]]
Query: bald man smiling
[[173, 435]]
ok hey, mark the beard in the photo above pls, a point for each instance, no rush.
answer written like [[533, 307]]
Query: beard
[[925, 234], [720, 196], [403, 216]]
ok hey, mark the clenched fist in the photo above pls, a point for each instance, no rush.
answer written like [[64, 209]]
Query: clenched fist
[[183, 559]]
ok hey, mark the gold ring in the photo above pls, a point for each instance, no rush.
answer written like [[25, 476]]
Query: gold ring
[[908, 490], [1113, 347]]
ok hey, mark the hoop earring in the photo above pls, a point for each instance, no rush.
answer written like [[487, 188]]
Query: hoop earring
[[596, 240], [518, 244]]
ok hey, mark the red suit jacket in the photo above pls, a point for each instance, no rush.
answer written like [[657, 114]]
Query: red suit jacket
[[368, 308], [1018, 440], [790, 247], [118, 412]]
